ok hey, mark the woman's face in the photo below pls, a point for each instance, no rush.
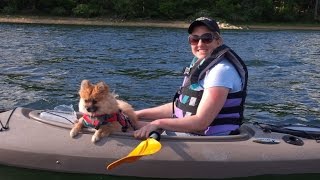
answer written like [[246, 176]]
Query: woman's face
[[202, 48]]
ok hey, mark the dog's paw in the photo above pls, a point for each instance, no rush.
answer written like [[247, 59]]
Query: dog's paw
[[95, 138], [73, 133]]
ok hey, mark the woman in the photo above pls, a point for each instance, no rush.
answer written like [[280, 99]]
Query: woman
[[211, 99]]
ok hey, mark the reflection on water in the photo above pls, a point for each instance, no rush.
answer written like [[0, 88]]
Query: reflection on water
[[42, 67], [10, 173]]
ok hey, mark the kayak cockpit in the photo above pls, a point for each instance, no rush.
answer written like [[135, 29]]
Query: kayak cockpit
[[65, 121]]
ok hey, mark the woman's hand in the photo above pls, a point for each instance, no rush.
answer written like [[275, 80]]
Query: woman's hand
[[144, 132]]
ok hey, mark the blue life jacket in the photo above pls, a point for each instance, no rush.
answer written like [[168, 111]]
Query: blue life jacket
[[232, 111]]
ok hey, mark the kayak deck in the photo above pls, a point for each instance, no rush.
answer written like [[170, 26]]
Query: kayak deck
[[37, 144]]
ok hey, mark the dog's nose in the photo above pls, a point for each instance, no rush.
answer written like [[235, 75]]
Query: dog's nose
[[92, 109]]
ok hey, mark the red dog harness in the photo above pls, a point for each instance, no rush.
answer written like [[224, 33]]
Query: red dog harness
[[97, 120]]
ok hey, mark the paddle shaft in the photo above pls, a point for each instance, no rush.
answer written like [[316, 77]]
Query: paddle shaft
[[155, 135]]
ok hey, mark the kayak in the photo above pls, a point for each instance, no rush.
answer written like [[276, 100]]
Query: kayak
[[30, 141]]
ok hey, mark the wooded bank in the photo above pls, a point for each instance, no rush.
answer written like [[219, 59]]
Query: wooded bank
[[233, 11]]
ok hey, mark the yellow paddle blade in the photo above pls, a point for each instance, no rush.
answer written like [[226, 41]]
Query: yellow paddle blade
[[145, 148], [126, 159]]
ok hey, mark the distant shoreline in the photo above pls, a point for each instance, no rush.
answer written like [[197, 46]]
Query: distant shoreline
[[141, 23]]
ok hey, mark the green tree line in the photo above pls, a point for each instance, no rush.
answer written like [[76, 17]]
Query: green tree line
[[227, 10]]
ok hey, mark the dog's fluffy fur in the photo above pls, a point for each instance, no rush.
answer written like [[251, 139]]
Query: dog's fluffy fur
[[96, 99]]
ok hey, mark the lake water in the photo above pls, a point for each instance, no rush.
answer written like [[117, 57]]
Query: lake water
[[42, 67]]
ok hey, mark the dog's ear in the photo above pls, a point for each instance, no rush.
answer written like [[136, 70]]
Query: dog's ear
[[85, 88], [102, 87], [85, 84]]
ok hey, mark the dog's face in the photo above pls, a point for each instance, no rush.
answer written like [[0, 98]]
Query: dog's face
[[93, 98]]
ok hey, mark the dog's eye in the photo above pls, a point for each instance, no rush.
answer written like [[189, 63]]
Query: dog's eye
[[90, 101]]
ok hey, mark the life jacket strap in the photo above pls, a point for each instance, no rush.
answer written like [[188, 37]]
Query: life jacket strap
[[103, 119]]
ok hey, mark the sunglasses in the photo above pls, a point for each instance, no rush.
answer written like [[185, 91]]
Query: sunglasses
[[205, 38]]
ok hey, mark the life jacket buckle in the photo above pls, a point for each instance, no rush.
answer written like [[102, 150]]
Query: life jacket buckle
[[186, 71]]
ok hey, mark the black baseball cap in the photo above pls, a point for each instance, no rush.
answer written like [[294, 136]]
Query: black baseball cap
[[204, 21]]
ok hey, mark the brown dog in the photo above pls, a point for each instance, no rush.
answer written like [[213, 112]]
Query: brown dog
[[102, 111]]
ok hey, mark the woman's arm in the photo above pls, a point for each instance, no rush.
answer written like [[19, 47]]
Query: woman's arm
[[163, 111], [210, 105]]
